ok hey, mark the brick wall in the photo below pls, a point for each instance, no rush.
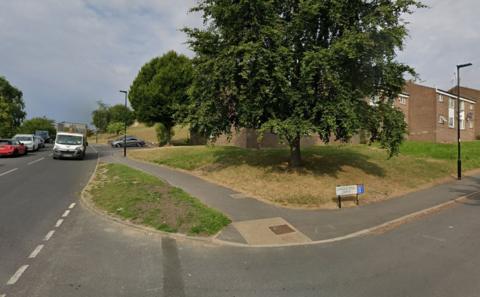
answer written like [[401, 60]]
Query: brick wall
[[422, 112], [475, 95]]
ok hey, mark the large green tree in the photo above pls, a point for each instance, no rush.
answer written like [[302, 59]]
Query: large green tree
[[38, 123], [299, 67], [159, 92], [11, 108]]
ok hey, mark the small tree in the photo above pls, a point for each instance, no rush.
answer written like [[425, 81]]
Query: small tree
[[299, 67], [38, 123], [115, 128], [101, 117], [159, 92], [120, 113]]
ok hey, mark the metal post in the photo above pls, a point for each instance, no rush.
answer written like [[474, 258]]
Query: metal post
[[459, 148], [125, 135], [459, 156], [339, 201]]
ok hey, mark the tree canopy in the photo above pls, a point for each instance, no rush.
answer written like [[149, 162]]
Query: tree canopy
[[38, 123], [101, 117], [300, 67], [11, 108], [159, 93], [121, 114]]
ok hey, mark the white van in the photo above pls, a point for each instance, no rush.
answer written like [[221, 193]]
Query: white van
[[69, 145], [28, 140]]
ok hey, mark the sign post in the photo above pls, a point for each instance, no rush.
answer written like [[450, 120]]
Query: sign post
[[351, 190]]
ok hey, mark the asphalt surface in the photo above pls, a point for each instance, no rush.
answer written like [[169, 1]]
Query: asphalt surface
[[89, 255]]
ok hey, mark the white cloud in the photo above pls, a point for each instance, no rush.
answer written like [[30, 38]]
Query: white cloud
[[66, 55]]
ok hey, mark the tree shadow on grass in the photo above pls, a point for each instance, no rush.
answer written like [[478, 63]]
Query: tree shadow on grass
[[319, 161]]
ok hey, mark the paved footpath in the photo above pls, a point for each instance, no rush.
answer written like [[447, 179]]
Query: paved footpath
[[259, 223]]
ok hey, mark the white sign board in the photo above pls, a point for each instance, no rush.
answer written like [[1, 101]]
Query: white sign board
[[346, 190]]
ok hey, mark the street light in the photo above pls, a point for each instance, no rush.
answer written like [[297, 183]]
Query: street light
[[459, 157], [125, 135]]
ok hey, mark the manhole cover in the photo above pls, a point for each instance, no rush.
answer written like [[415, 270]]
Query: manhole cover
[[281, 229]]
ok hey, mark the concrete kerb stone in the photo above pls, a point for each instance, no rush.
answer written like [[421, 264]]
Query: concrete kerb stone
[[214, 239]]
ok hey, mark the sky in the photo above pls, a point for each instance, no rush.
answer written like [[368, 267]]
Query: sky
[[67, 55]]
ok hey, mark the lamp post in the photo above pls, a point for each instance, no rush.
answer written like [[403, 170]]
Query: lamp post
[[459, 157], [125, 135]]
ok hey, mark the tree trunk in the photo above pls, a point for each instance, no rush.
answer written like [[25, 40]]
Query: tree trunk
[[168, 133], [295, 157]]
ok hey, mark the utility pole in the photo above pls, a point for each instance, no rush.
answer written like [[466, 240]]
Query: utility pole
[[459, 147], [125, 122]]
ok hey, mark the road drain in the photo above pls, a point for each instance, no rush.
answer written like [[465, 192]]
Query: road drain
[[281, 229]]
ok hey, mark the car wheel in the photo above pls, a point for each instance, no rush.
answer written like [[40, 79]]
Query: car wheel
[[15, 153]]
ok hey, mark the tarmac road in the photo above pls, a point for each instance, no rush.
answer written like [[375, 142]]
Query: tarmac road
[[88, 255]]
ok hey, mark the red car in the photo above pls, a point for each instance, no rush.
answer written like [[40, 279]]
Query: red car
[[11, 147]]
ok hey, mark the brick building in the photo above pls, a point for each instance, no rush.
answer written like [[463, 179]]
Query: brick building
[[475, 95], [432, 115]]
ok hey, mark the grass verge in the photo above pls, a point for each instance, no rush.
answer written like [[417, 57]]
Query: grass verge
[[144, 199], [265, 173]]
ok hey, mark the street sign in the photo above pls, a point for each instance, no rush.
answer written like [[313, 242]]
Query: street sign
[[346, 190], [350, 190]]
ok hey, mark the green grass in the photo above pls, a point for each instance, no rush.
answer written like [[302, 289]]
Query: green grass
[[144, 199], [265, 173], [440, 151]]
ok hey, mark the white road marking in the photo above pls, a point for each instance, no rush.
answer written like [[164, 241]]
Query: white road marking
[[66, 213], [72, 205], [36, 251], [434, 238], [38, 160], [49, 235], [59, 222], [17, 275], [9, 171], [94, 149]]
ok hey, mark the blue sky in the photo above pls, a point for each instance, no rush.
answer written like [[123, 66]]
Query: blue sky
[[66, 55]]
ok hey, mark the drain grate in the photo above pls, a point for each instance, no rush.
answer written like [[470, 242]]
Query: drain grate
[[281, 229]]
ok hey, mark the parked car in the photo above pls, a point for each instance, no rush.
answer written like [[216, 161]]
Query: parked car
[[70, 145], [41, 142], [28, 140], [11, 147], [131, 141], [44, 135]]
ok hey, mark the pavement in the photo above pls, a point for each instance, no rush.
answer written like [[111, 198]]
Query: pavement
[[91, 255], [256, 223]]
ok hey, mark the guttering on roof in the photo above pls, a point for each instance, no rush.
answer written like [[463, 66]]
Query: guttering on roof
[[454, 96]]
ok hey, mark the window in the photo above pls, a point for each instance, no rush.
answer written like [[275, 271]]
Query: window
[[471, 106], [402, 100], [451, 113], [440, 98], [470, 124]]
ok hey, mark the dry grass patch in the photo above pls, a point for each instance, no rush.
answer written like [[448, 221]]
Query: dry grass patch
[[265, 173]]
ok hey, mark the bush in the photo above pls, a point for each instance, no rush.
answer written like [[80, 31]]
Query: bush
[[115, 127]]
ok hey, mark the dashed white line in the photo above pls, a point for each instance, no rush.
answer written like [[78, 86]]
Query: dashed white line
[[17, 275], [35, 161], [72, 205], [36, 251], [49, 235], [66, 213], [59, 222], [9, 171]]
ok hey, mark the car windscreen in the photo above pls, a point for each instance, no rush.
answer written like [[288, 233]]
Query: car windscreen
[[69, 139], [5, 142], [24, 138]]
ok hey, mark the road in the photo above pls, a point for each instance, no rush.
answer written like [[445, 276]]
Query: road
[[88, 255]]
